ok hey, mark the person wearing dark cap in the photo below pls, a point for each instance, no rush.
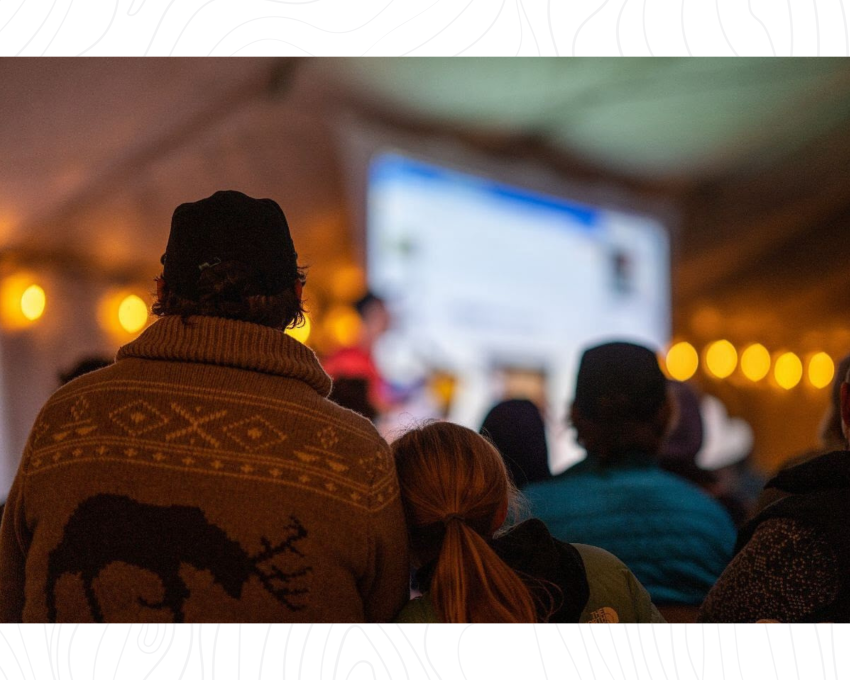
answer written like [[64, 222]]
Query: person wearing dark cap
[[830, 435], [516, 429], [675, 538], [205, 476]]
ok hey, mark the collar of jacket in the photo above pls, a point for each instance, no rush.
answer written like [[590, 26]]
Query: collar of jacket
[[225, 342], [822, 473], [630, 459]]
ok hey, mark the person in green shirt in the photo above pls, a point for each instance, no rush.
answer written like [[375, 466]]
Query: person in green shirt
[[457, 495]]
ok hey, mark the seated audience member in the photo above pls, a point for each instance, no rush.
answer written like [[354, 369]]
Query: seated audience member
[[683, 442], [517, 430], [456, 494], [205, 476], [793, 559], [830, 434], [675, 538]]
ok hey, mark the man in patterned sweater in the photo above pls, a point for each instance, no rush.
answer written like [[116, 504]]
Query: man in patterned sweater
[[205, 476]]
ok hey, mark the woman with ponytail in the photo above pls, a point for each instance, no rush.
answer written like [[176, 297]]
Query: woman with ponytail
[[457, 495]]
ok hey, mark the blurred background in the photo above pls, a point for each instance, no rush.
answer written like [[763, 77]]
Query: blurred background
[[714, 193]]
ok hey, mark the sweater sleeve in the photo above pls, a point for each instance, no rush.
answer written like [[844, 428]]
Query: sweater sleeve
[[785, 572], [385, 587], [13, 550]]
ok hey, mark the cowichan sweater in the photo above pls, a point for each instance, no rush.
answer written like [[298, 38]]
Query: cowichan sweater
[[203, 477]]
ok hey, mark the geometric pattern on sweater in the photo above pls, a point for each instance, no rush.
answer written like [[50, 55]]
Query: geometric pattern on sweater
[[208, 437]]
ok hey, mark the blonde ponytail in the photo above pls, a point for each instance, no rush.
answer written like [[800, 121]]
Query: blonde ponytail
[[454, 488]]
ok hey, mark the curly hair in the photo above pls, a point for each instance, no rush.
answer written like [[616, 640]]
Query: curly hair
[[233, 290]]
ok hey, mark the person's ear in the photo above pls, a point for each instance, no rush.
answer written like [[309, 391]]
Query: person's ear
[[500, 517], [845, 409], [299, 289]]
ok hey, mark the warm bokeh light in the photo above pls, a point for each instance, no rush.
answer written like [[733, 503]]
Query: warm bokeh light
[[33, 302], [342, 325], [302, 332], [348, 282], [123, 313], [755, 362], [682, 361], [132, 313], [788, 370], [721, 359], [821, 370], [22, 301]]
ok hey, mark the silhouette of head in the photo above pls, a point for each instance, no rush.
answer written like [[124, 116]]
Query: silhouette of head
[[517, 430], [621, 404]]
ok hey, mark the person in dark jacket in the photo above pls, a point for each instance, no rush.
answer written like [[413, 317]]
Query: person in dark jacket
[[830, 435], [517, 430], [456, 495], [793, 559], [675, 538]]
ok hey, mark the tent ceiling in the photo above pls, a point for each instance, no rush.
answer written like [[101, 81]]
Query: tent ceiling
[[667, 118]]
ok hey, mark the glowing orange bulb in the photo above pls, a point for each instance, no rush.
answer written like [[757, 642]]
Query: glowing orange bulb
[[682, 361], [132, 313], [755, 362], [788, 370], [821, 370], [33, 302], [721, 359]]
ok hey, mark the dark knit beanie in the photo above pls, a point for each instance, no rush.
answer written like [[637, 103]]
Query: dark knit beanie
[[229, 227], [620, 381]]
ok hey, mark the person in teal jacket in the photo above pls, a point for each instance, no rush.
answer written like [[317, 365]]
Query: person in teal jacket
[[456, 493], [675, 538]]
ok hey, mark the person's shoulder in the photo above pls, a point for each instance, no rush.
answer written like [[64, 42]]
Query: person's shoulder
[[354, 423], [616, 596], [419, 610], [76, 388], [599, 558]]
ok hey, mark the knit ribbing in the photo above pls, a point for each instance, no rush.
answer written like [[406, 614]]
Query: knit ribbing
[[225, 342]]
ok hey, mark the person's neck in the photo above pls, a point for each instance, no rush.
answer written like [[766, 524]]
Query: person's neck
[[627, 458]]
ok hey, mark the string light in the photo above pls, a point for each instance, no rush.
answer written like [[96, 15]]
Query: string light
[[343, 325], [755, 362], [33, 302], [788, 370], [682, 361], [132, 313], [721, 359], [22, 301], [821, 370]]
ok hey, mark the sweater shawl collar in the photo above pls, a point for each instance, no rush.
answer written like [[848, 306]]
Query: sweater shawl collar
[[225, 342]]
